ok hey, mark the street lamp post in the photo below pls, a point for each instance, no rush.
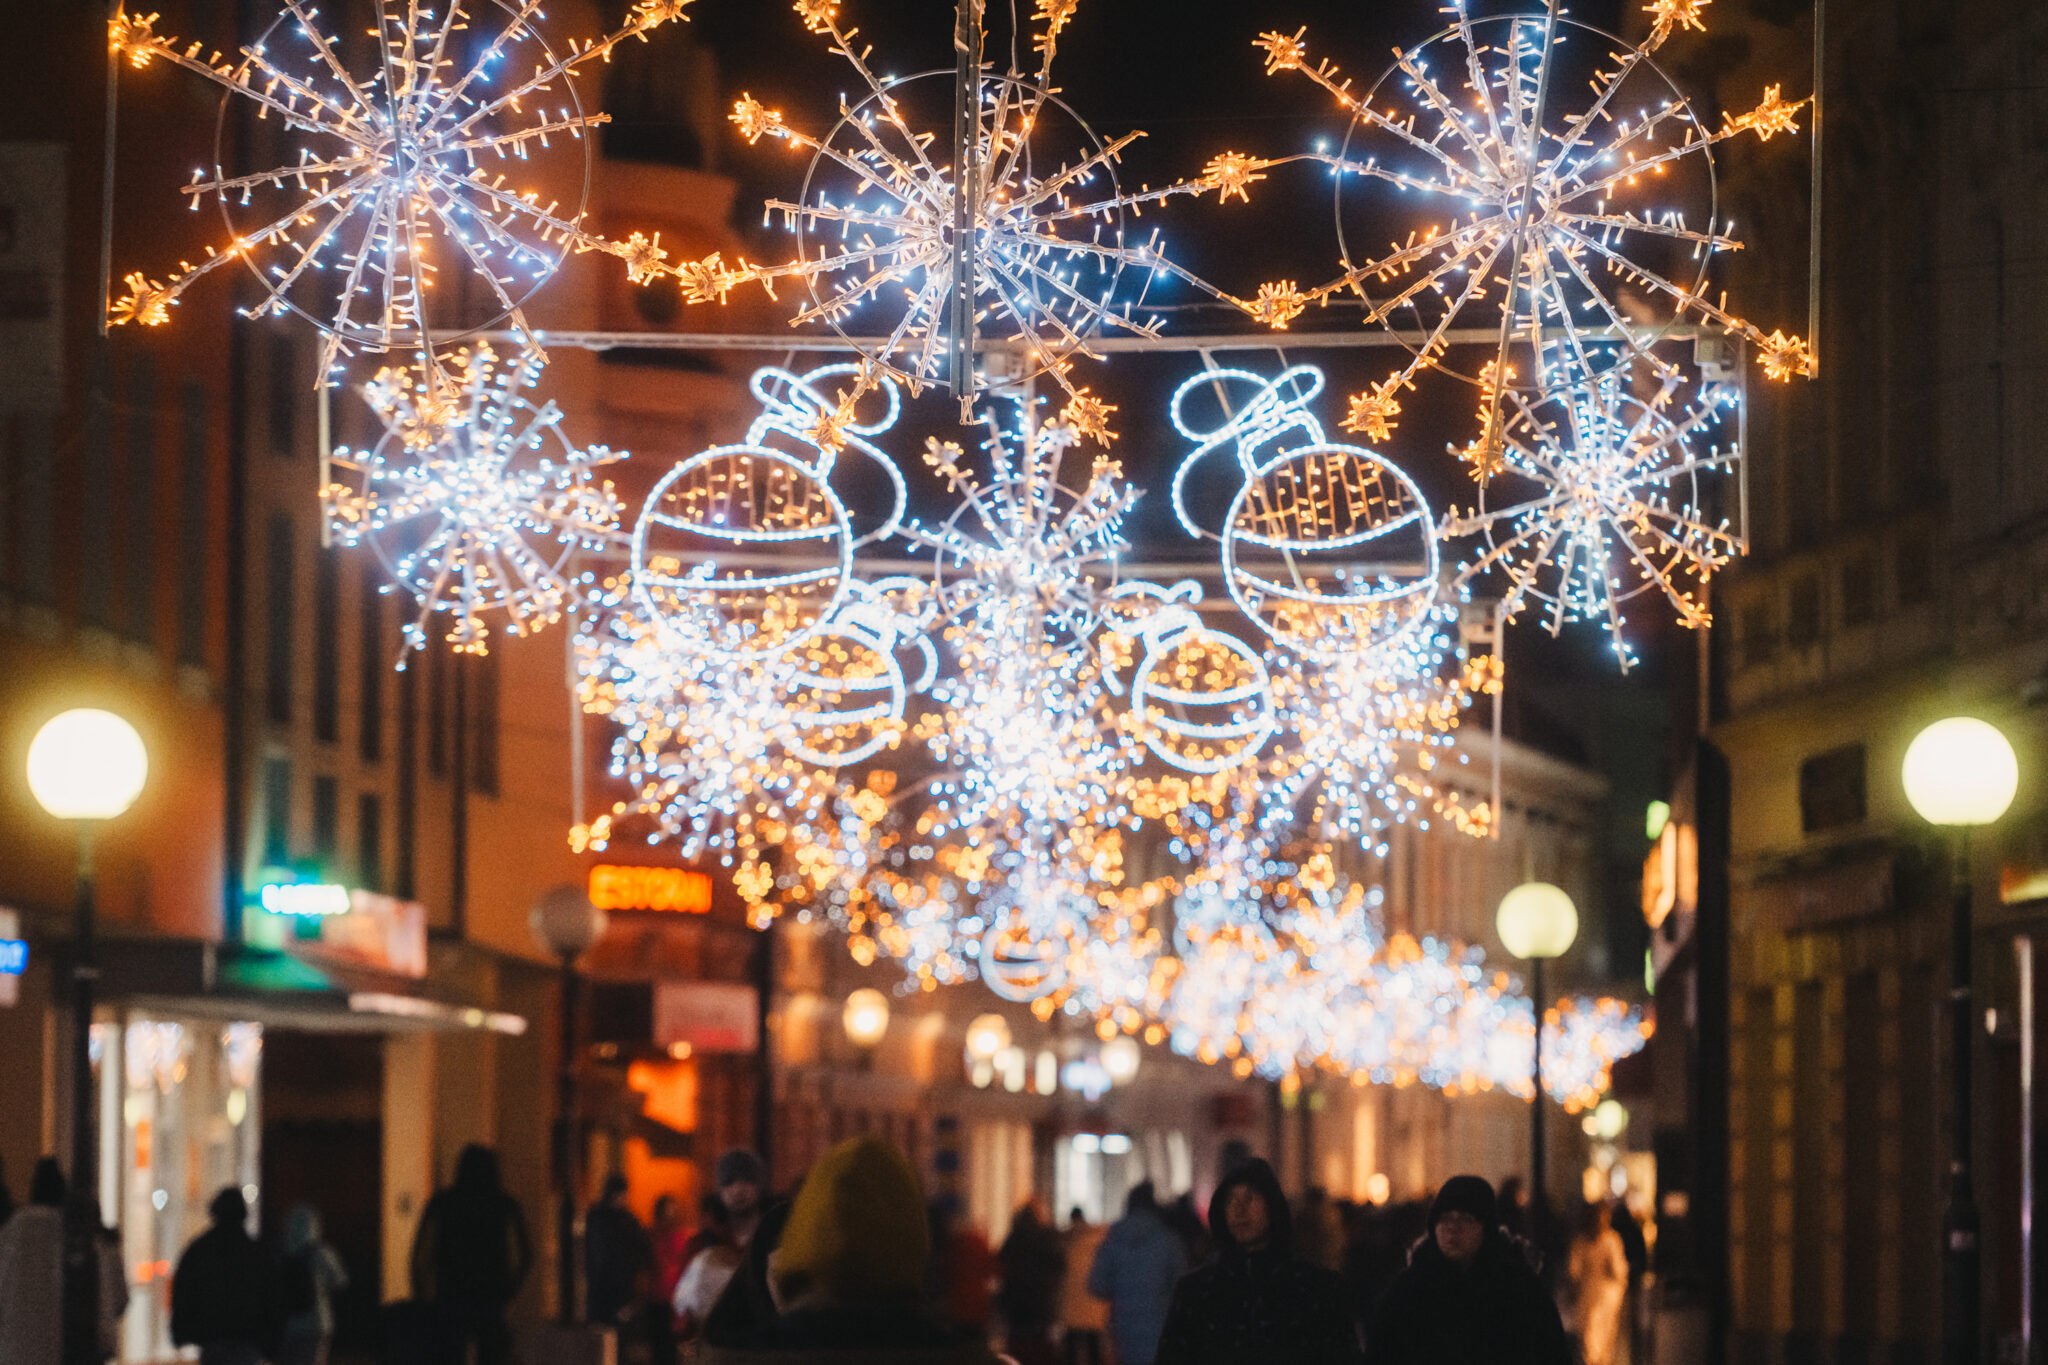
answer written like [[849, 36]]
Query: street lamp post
[[85, 766], [566, 923], [1960, 773], [1537, 922]]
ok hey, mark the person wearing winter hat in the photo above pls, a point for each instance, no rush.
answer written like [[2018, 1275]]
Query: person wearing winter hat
[[1255, 1301], [1469, 1295], [848, 1273]]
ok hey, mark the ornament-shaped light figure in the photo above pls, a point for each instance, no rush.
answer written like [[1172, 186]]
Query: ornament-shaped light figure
[[1543, 182], [393, 207], [1600, 498], [474, 498]]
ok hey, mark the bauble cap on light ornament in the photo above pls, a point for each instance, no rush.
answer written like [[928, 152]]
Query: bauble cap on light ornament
[[1537, 920], [87, 765], [866, 1017], [565, 921], [1960, 771]]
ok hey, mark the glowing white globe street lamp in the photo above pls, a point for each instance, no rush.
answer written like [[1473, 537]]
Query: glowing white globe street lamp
[[566, 924], [1121, 1058], [987, 1034], [1960, 773], [85, 766], [1536, 922], [866, 1020]]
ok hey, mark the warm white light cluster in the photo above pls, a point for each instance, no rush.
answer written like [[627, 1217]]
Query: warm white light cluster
[[391, 223], [474, 499]]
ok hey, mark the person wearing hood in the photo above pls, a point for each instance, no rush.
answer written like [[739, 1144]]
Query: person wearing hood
[[848, 1272], [1135, 1269], [1469, 1295], [1255, 1302]]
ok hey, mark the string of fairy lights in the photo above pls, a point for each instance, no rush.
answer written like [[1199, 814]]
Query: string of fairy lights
[[955, 738]]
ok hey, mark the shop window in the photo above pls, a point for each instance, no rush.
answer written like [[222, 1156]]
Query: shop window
[[1831, 789]]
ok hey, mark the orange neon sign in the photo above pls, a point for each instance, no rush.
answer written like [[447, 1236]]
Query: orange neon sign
[[678, 890]]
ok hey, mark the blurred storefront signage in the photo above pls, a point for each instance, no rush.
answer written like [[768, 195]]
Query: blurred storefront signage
[[676, 890], [356, 928], [710, 1016]]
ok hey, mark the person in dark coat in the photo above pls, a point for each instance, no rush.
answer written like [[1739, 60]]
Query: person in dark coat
[[1469, 1295], [225, 1295], [1135, 1270], [1034, 1268], [617, 1256], [1254, 1302], [469, 1257]]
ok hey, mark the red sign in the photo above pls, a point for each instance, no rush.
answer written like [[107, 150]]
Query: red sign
[[677, 890], [711, 1016]]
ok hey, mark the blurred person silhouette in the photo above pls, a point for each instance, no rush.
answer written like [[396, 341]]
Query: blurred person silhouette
[[848, 1271], [743, 1190], [1469, 1295], [1600, 1273], [32, 1273], [1034, 1267], [469, 1257], [617, 1257], [1135, 1269], [1257, 1300], [309, 1278], [962, 1274], [1083, 1317], [226, 1298]]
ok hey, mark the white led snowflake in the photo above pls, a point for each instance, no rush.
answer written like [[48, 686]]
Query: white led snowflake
[[390, 223], [888, 201], [474, 499], [1548, 240], [1598, 497]]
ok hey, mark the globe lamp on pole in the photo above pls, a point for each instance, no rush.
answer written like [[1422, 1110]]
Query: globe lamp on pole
[[1536, 922], [566, 924], [1958, 774]]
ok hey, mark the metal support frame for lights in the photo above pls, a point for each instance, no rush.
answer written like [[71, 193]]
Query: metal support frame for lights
[[1960, 773], [566, 924], [1536, 922], [86, 767]]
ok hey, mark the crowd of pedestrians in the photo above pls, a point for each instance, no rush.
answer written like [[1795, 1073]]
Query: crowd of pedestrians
[[859, 1267]]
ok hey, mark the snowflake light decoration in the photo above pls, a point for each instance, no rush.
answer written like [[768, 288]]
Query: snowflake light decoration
[[1598, 499], [1547, 244], [392, 207], [1017, 239], [474, 499]]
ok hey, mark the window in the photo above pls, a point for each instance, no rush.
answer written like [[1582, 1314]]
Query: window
[[372, 659], [277, 812], [370, 841], [1756, 632], [1831, 789], [193, 551], [287, 388], [1913, 568], [96, 538], [138, 486], [277, 642], [1859, 591], [327, 645], [326, 818], [1803, 621], [482, 679]]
